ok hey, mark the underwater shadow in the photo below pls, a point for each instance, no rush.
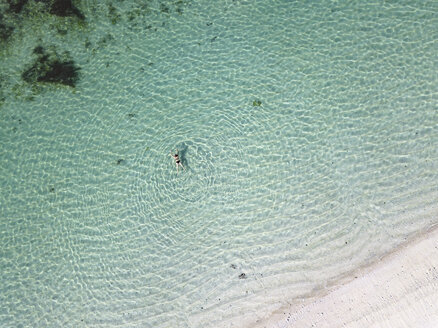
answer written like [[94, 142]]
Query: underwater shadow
[[182, 151]]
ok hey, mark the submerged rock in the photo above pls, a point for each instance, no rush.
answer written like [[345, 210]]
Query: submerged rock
[[51, 69]]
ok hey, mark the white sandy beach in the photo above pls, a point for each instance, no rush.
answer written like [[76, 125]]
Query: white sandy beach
[[399, 290]]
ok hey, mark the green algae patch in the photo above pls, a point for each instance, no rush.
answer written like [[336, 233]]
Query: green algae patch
[[256, 103]]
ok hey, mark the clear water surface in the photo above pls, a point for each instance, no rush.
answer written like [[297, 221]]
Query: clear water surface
[[308, 130]]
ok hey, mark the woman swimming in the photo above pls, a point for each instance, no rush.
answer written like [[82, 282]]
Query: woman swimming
[[177, 160]]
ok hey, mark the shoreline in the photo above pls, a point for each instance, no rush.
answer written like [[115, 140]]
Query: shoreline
[[399, 289]]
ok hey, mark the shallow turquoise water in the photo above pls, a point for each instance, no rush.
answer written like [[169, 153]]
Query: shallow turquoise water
[[334, 168]]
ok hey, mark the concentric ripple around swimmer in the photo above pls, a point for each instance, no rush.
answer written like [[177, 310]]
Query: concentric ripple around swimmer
[[165, 184], [204, 151]]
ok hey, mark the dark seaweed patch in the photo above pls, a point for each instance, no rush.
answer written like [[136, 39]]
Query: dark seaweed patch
[[113, 14], [133, 14], [63, 72], [16, 6], [61, 31], [5, 30], [102, 42], [38, 50], [51, 69], [179, 5], [63, 8], [164, 8]]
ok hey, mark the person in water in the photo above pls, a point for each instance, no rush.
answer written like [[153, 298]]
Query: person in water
[[177, 160]]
